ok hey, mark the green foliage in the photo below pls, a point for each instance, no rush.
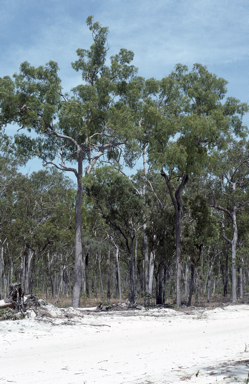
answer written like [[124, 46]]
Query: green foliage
[[98, 115], [116, 196], [202, 227], [6, 313], [188, 120]]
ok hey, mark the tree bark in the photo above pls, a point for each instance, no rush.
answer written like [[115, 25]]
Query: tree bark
[[78, 264], [1, 266], [145, 246], [159, 299], [234, 246], [177, 203], [100, 275], [86, 274], [186, 291], [109, 272], [241, 284], [146, 269], [135, 267], [132, 282], [6, 305], [118, 274], [151, 272], [191, 283]]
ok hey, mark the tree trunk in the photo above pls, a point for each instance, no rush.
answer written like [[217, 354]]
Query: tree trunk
[[86, 274], [118, 274], [145, 246], [177, 203], [27, 288], [169, 281], [191, 283], [197, 288], [109, 272], [61, 280], [1, 267], [241, 284], [178, 255], [146, 269], [186, 291], [135, 268], [214, 286], [151, 272], [164, 282], [209, 283], [159, 299], [100, 276], [78, 264], [234, 246], [132, 282]]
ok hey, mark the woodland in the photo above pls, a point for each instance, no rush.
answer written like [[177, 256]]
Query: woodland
[[174, 229]]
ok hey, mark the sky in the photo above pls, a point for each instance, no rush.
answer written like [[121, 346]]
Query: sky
[[214, 33]]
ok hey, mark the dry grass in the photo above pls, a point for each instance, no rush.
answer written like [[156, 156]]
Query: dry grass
[[64, 301]]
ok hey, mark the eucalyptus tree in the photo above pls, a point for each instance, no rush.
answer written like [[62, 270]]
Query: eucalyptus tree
[[82, 126], [159, 231], [40, 216], [122, 208], [229, 183], [200, 231], [185, 119]]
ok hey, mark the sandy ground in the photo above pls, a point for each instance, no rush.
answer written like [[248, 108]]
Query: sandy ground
[[155, 346]]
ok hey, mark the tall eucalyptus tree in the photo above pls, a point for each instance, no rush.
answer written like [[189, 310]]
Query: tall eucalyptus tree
[[185, 119], [93, 120]]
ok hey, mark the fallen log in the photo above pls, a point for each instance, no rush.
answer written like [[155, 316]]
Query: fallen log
[[3, 304]]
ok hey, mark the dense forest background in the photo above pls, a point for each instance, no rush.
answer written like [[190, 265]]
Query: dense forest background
[[174, 229]]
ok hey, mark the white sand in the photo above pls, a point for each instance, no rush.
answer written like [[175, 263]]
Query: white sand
[[156, 346]]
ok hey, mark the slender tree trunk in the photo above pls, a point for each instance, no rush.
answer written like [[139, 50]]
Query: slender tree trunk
[[209, 282], [151, 271], [1, 267], [177, 202], [95, 283], [25, 269], [109, 272], [146, 269], [27, 280], [132, 282], [197, 287], [169, 281], [78, 265], [191, 283], [241, 284], [114, 276], [135, 268], [145, 245], [234, 246], [61, 280], [232, 242], [118, 274], [100, 276], [159, 297], [186, 291], [178, 256], [214, 286], [164, 282], [86, 274]]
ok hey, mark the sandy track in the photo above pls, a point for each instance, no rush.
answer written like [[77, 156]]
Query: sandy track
[[159, 346]]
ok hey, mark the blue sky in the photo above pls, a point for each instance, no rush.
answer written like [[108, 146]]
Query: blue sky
[[214, 33]]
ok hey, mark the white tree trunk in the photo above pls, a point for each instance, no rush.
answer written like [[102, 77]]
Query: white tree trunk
[[118, 271], [186, 284], [151, 271], [1, 266], [234, 246]]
